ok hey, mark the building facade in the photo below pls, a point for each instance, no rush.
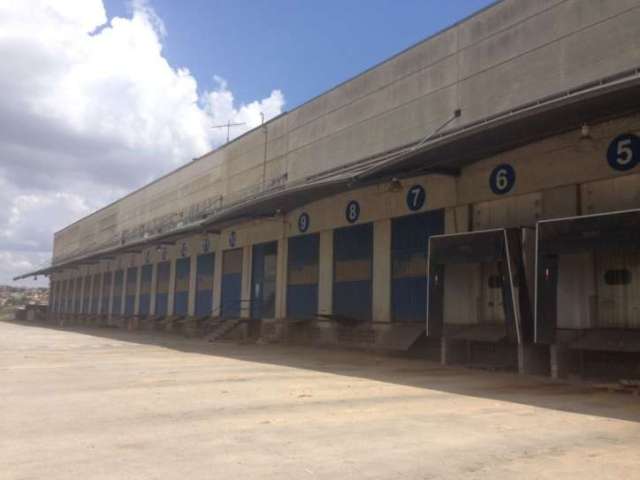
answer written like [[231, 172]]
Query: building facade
[[464, 195]]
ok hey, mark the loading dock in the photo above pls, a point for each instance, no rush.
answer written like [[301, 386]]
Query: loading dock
[[130, 291], [302, 276], [588, 293], [231, 283], [204, 284], [479, 298], [145, 290], [263, 280], [181, 290], [352, 272], [162, 289]]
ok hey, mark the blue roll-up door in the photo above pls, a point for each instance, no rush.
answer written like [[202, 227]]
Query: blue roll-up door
[[130, 290], [302, 276], [162, 288], [145, 289], [181, 290], [118, 286], [409, 242], [204, 284], [263, 280], [352, 271], [231, 283], [106, 292]]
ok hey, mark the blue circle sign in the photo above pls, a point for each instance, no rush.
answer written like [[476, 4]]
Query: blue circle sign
[[624, 152], [502, 179], [303, 222], [232, 239], [416, 197], [352, 212]]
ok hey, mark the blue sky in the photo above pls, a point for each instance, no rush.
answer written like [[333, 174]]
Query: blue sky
[[302, 47]]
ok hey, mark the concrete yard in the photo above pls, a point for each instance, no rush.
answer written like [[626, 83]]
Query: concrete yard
[[102, 404]]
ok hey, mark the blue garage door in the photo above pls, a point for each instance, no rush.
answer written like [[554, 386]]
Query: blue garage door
[[409, 241], [106, 292], [264, 261], [118, 286], [130, 290], [145, 289], [302, 276], [231, 282], [352, 271], [204, 284], [162, 288], [181, 290]]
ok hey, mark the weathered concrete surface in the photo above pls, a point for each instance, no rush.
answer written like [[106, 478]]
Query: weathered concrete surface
[[113, 405]]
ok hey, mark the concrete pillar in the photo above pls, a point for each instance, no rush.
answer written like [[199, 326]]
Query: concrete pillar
[[325, 273], [382, 271], [245, 295], [191, 305], [281, 279], [154, 288], [172, 286], [217, 282]]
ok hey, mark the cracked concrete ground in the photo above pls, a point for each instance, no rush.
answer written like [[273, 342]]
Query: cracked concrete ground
[[102, 404]]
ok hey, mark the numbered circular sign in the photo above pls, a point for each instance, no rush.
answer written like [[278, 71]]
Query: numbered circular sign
[[502, 179], [624, 152], [206, 245], [303, 222], [352, 213], [416, 197], [232, 239]]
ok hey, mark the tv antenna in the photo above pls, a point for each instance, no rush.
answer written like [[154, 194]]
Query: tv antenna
[[228, 126]]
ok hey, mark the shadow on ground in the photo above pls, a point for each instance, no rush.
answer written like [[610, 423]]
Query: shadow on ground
[[574, 397]]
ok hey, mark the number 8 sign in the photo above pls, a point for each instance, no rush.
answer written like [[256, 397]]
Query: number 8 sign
[[624, 152], [502, 179]]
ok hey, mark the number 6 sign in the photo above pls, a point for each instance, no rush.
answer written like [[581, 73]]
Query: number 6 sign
[[502, 179], [624, 152]]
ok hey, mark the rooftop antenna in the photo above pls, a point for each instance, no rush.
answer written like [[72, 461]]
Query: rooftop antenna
[[228, 126]]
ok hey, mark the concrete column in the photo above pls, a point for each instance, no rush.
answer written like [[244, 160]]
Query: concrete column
[[533, 359], [152, 293], [382, 271], [191, 308], [245, 295], [217, 282], [136, 302], [325, 273], [172, 286], [559, 361], [281, 279], [100, 290]]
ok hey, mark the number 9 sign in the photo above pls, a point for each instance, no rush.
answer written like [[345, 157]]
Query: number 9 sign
[[624, 152], [502, 179]]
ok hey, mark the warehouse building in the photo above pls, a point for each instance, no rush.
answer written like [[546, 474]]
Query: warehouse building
[[475, 197]]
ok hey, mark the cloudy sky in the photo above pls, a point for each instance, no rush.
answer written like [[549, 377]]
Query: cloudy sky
[[96, 99]]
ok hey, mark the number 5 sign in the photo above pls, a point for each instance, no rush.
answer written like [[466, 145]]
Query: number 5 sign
[[502, 179], [624, 152]]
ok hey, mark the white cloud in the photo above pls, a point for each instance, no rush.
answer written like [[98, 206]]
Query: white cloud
[[89, 110]]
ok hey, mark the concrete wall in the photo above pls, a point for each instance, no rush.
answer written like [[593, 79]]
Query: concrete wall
[[508, 55]]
